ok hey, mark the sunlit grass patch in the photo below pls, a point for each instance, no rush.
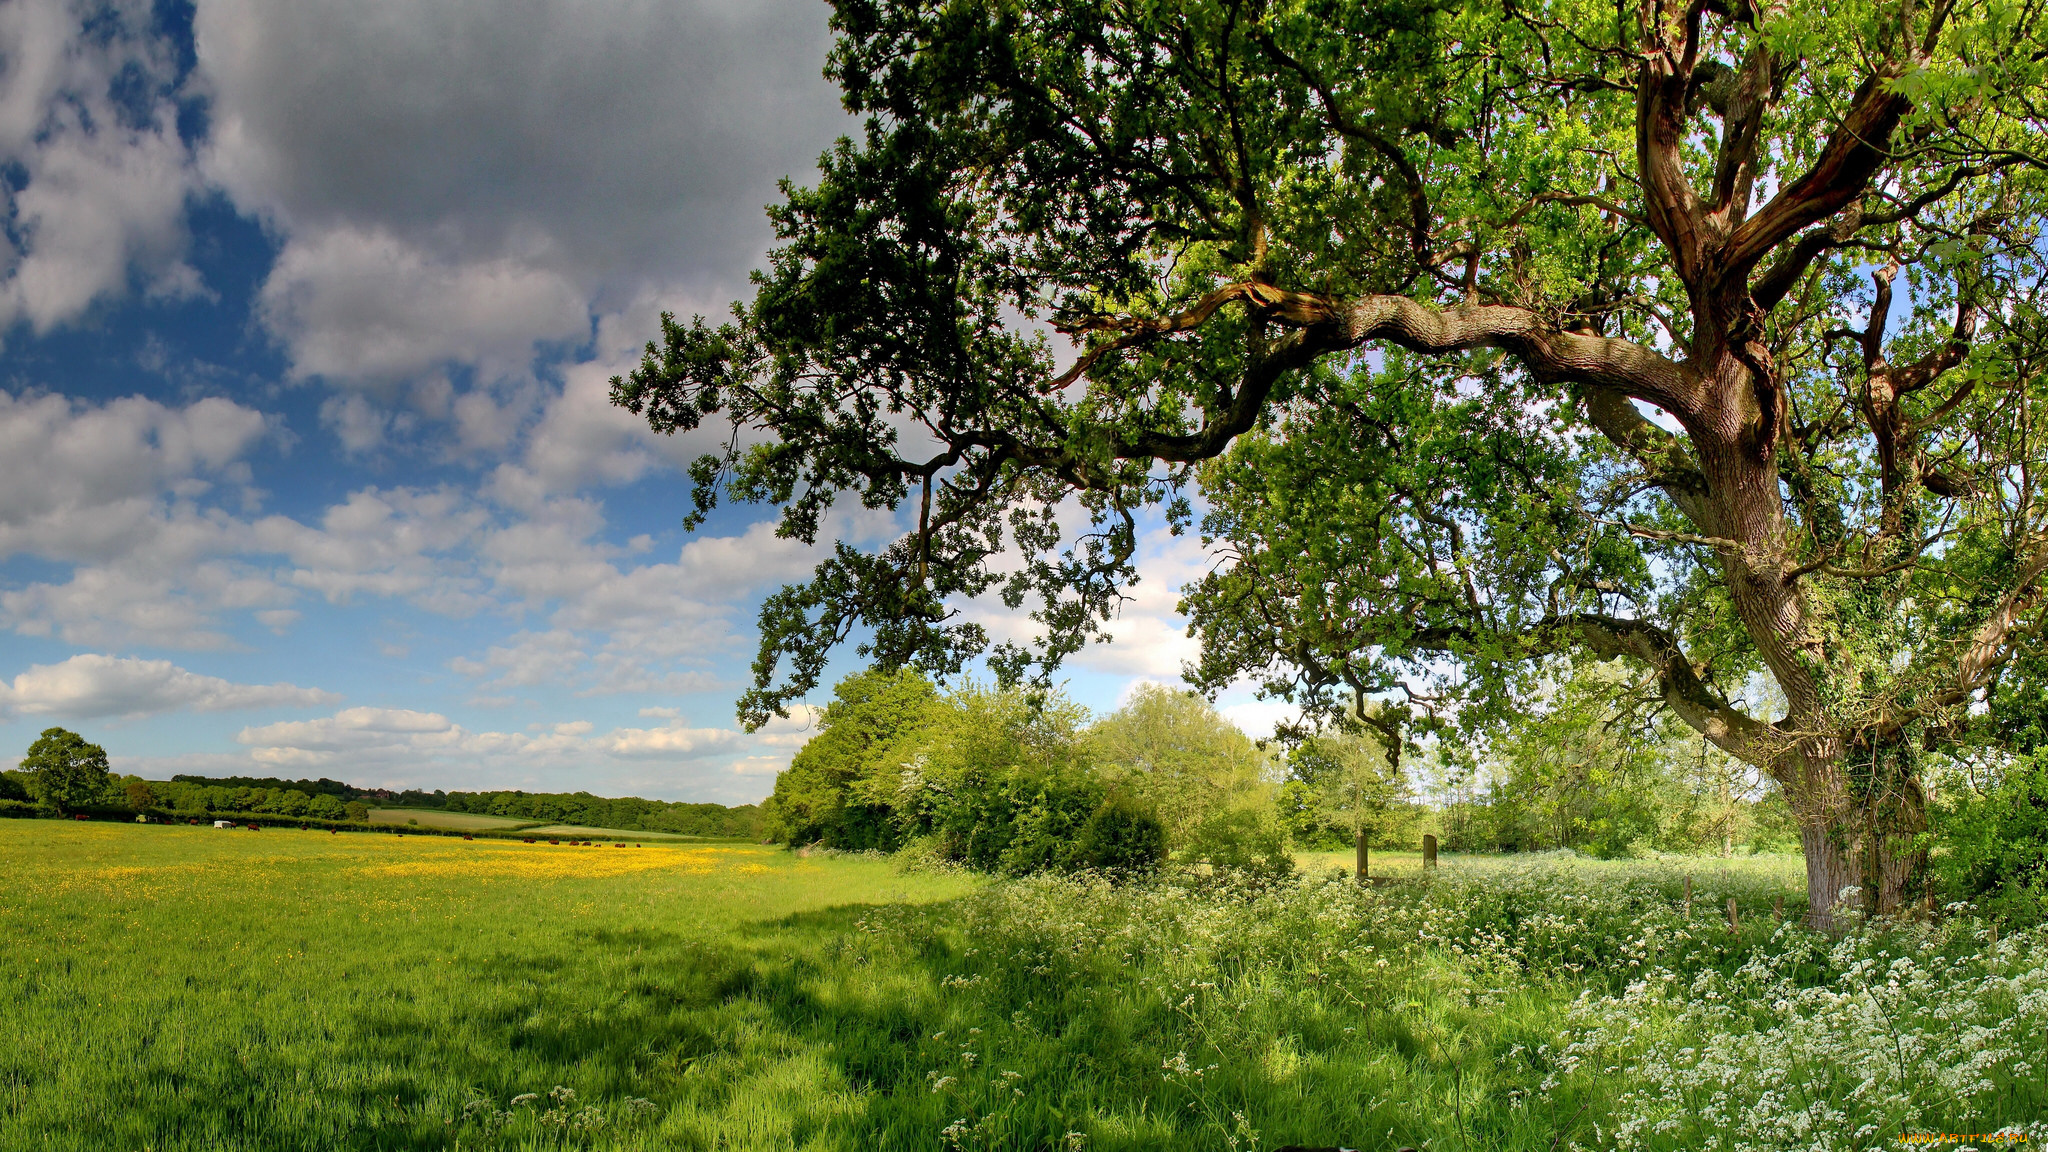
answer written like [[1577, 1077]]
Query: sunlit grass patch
[[581, 830], [181, 988]]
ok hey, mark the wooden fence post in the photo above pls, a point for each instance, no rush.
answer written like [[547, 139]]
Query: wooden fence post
[[1428, 850], [1363, 863], [1688, 897], [1778, 910], [1734, 925]]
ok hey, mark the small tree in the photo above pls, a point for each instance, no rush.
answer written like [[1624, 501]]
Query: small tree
[[1174, 753], [64, 771], [141, 797], [1352, 782], [357, 810]]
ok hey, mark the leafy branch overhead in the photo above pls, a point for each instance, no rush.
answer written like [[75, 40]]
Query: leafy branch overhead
[[1704, 336]]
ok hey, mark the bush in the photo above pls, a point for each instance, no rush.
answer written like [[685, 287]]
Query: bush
[[1241, 844], [1121, 837], [1995, 843]]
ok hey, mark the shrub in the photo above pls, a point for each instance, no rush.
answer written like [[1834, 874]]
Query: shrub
[[1121, 837], [1240, 843], [1995, 842]]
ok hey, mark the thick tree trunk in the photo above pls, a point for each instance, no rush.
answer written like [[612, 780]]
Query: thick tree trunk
[[1863, 856]]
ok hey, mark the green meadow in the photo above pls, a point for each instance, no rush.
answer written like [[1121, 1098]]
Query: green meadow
[[187, 988], [456, 821]]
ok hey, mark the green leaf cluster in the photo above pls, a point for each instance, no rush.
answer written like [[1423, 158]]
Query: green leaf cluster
[[66, 773]]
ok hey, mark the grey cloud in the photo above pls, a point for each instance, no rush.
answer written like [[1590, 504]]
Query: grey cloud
[[546, 150]]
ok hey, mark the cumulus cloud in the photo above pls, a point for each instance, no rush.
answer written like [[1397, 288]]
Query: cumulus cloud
[[463, 179], [86, 482], [403, 746], [129, 493], [365, 305], [88, 125], [89, 686], [673, 743]]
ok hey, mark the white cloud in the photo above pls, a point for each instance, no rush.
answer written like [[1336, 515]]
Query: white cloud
[[400, 543], [89, 123], [355, 305], [1259, 718], [89, 482], [137, 601], [402, 747], [673, 743], [89, 686]]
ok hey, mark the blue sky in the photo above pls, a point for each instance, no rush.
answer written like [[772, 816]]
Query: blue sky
[[305, 462]]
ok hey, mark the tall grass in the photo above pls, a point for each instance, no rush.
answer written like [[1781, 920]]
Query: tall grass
[[175, 988]]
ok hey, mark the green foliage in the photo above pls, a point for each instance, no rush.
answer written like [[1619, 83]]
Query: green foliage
[[64, 772], [1121, 837], [999, 777], [997, 780], [1240, 843], [627, 814], [1590, 765], [14, 785], [837, 791], [356, 810], [1341, 784], [1173, 752], [1995, 841]]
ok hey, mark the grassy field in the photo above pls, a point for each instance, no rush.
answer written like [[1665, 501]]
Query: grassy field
[[579, 831], [458, 821], [478, 822], [179, 988]]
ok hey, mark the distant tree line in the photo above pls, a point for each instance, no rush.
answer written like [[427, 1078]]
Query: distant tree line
[[627, 813], [64, 774]]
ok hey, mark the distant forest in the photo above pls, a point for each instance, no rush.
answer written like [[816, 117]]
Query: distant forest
[[295, 797]]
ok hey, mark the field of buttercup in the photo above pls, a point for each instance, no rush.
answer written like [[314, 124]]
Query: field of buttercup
[[182, 988]]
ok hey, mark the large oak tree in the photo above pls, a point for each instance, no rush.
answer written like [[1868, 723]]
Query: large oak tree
[[1495, 333]]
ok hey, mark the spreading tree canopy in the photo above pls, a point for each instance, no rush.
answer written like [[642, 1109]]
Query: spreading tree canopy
[[1484, 335]]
